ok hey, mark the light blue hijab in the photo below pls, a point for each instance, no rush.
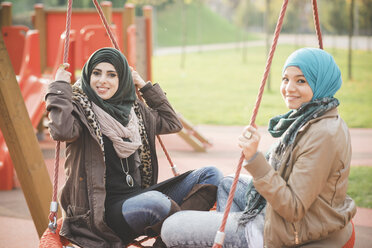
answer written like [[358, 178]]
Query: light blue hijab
[[319, 69]]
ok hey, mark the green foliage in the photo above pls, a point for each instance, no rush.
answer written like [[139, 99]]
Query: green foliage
[[217, 88], [202, 26], [360, 186], [338, 17], [365, 14]]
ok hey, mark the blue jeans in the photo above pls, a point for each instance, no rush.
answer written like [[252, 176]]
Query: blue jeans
[[151, 207], [197, 229], [239, 201]]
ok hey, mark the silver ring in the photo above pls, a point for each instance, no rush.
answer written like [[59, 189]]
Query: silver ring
[[247, 135]]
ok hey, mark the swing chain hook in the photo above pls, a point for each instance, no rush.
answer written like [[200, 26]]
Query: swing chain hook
[[53, 213], [53, 225]]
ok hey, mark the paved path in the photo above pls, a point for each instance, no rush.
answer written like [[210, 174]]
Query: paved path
[[17, 229], [358, 43]]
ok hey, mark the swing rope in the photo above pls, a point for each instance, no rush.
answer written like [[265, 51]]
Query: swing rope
[[317, 24], [54, 204], [220, 235], [106, 25]]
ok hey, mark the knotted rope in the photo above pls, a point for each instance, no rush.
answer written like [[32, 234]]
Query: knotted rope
[[317, 24], [54, 204]]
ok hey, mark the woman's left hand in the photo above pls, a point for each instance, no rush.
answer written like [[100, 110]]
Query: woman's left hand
[[249, 141], [62, 74], [137, 79]]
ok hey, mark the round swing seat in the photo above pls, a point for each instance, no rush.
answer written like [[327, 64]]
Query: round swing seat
[[53, 240]]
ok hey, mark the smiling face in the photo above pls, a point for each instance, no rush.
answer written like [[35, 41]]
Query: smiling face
[[294, 88], [104, 80]]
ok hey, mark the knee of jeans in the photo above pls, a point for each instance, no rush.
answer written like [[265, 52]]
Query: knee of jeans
[[153, 204], [169, 228], [212, 175], [157, 202], [225, 183]]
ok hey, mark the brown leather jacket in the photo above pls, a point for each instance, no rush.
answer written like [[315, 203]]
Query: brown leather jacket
[[83, 195], [307, 200]]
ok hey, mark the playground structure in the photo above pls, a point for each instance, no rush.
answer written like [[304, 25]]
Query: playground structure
[[35, 55]]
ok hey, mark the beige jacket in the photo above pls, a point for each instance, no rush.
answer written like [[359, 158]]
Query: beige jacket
[[307, 201]]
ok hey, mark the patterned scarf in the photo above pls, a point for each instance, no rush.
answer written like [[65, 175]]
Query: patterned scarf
[[125, 140], [287, 127], [144, 150]]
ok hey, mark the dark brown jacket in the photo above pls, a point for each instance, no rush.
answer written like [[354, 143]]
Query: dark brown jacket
[[83, 195]]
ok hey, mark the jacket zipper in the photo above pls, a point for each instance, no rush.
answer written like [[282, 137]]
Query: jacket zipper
[[296, 234]]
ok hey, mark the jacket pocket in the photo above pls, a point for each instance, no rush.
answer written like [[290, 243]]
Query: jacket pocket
[[77, 218], [74, 211], [77, 222]]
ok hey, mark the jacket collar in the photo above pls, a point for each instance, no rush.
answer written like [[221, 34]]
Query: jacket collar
[[330, 114]]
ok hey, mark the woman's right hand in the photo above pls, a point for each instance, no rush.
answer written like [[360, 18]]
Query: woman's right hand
[[137, 79], [62, 74], [249, 141]]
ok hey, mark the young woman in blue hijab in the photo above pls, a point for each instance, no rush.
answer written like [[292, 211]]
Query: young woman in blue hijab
[[111, 194], [297, 193]]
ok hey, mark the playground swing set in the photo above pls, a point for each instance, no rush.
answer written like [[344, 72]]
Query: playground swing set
[[51, 238], [35, 55]]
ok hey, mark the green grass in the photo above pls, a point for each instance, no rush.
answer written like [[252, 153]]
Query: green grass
[[203, 26], [360, 186], [218, 88]]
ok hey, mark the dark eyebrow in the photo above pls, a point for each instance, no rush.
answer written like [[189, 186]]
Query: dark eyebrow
[[299, 75], [97, 69]]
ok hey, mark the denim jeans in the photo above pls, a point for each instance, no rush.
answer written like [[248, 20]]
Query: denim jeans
[[239, 201], [151, 207], [197, 229]]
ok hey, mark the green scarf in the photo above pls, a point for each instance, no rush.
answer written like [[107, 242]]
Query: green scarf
[[120, 104], [291, 122], [287, 127]]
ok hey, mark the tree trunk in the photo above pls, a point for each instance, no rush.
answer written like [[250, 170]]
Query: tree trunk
[[184, 35], [351, 31]]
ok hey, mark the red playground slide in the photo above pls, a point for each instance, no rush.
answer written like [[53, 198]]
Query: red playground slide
[[24, 52]]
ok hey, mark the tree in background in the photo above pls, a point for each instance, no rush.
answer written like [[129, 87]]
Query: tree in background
[[244, 12], [351, 32], [365, 19], [334, 17]]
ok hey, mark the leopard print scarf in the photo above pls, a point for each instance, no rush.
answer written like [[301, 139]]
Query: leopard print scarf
[[144, 150], [81, 98]]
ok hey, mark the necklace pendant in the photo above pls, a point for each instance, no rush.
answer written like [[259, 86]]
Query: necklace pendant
[[130, 180]]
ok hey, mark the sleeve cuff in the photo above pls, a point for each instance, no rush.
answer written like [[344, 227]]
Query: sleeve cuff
[[147, 86], [59, 88], [257, 166]]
